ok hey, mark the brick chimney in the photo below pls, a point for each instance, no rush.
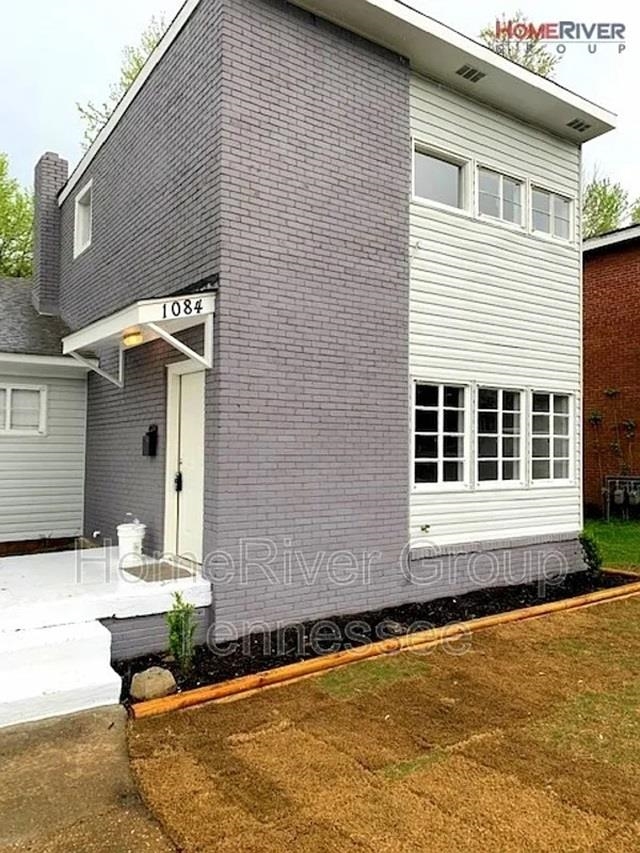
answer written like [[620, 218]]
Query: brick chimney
[[51, 174]]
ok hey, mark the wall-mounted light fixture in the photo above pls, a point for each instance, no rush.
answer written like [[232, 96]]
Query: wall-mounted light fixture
[[132, 338]]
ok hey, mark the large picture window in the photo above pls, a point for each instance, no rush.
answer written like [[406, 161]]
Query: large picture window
[[22, 410], [482, 437], [439, 434], [499, 435]]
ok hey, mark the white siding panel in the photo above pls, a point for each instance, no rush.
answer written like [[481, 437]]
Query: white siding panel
[[493, 304], [42, 477]]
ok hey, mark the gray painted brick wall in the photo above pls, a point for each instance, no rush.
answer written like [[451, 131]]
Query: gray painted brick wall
[[156, 200], [50, 175], [143, 635], [310, 388]]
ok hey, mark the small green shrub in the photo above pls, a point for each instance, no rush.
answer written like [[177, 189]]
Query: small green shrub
[[182, 627], [591, 553]]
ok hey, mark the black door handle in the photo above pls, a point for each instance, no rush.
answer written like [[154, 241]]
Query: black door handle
[[177, 481]]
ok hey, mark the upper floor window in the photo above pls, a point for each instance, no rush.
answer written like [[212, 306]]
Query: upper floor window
[[437, 179], [550, 213], [439, 434], [22, 410], [499, 196], [83, 220]]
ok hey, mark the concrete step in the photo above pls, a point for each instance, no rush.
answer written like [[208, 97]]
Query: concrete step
[[30, 648], [46, 672]]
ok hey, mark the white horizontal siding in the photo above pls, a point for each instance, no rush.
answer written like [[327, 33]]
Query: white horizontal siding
[[494, 305], [42, 477]]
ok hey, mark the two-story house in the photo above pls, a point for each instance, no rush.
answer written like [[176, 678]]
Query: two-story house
[[328, 255]]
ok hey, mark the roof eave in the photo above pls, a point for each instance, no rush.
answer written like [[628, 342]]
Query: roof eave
[[437, 51], [433, 49]]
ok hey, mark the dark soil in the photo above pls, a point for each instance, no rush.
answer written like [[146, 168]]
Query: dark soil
[[294, 643]]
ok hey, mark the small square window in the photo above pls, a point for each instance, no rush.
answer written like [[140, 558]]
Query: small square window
[[551, 214], [438, 179], [499, 196], [22, 410], [83, 220]]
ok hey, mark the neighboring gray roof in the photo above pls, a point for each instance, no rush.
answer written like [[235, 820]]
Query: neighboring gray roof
[[22, 329], [611, 238]]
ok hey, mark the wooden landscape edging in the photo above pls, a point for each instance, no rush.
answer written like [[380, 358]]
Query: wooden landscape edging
[[419, 640]]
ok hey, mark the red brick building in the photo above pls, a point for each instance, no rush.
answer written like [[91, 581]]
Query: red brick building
[[611, 360]]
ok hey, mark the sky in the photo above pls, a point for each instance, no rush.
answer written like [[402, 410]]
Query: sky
[[56, 54]]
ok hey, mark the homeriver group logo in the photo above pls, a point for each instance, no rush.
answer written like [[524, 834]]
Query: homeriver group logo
[[561, 34]]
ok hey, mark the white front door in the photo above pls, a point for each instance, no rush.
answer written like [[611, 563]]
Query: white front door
[[185, 464]]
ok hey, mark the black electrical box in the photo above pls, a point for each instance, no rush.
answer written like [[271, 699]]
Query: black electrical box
[[150, 441]]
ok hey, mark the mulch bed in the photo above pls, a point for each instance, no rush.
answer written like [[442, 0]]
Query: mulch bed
[[294, 643]]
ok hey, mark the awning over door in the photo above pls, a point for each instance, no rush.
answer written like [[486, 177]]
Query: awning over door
[[146, 321]]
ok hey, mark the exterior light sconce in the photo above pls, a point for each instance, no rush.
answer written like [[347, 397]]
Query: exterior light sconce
[[132, 338]]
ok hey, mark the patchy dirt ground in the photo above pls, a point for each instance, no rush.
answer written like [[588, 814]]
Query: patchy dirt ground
[[528, 740]]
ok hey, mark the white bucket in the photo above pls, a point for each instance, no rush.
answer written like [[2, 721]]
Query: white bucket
[[130, 538]]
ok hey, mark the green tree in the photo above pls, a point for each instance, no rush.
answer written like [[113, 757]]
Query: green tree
[[16, 224], [606, 206], [95, 116], [530, 53]]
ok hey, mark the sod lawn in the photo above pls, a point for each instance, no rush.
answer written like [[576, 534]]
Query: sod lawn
[[520, 738], [619, 542]]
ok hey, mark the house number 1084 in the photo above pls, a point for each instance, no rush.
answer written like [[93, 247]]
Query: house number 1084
[[181, 308]]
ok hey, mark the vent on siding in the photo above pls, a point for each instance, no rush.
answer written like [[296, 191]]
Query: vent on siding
[[578, 125], [470, 73]]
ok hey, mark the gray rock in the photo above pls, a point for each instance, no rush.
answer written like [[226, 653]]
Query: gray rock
[[153, 683]]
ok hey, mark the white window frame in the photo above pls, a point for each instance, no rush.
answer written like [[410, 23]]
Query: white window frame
[[520, 226], [552, 481], [441, 485], [521, 481], [80, 244], [550, 235], [6, 429], [466, 181]]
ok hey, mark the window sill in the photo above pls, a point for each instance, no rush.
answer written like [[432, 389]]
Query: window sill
[[445, 208], [554, 484], [441, 488]]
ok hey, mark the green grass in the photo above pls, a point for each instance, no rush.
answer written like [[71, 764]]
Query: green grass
[[370, 675], [600, 726], [402, 769], [618, 540]]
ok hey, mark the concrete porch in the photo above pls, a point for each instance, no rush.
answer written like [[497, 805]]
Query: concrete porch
[[55, 653]]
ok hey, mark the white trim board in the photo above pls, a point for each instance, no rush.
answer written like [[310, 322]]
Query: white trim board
[[44, 361], [433, 49]]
